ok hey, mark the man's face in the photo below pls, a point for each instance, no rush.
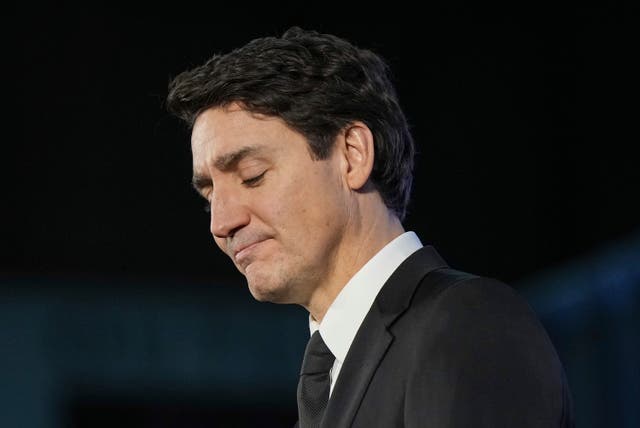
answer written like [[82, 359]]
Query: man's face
[[276, 212]]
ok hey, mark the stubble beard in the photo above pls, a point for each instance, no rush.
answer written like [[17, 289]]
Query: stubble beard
[[272, 283]]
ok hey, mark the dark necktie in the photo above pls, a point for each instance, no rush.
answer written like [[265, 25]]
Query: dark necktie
[[314, 383]]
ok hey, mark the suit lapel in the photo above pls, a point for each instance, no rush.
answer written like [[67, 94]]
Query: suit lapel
[[367, 349], [373, 338]]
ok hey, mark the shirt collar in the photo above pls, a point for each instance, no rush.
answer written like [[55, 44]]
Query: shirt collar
[[345, 315]]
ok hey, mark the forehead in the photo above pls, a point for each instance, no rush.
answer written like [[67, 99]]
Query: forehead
[[219, 131]]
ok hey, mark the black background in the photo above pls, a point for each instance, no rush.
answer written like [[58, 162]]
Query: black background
[[525, 121], [526, 124]]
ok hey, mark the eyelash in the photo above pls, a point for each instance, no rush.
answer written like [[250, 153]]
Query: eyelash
[[250, 182], [254, 181]]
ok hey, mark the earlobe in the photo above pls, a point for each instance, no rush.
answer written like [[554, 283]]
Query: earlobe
[[359, 151]]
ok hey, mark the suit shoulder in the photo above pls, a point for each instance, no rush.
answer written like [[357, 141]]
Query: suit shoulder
[[466, 310], [482, 344], [451, 288]]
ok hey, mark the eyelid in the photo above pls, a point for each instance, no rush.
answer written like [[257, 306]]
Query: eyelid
[[254, 180], [249, 182]]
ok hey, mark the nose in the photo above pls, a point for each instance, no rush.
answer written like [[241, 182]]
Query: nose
[[228, 215]]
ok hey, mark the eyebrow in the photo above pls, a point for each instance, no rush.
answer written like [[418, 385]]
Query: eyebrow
[[224, 163]]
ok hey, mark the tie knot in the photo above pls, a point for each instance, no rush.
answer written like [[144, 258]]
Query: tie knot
[[317, 356]]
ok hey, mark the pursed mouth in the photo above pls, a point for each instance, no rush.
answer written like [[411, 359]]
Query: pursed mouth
[[245, 249]]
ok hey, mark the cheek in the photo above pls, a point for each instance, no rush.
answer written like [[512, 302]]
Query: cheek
[[306, 206], [317, 207]]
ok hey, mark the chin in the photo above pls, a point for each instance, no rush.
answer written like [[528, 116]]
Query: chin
[[269, 284], [267, 294], [267, 289], [262, 288]]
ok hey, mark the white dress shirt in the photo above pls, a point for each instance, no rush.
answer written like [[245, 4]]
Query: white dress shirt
[[345, 315]]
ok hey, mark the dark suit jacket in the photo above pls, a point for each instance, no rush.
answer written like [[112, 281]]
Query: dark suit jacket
[[443, 348]]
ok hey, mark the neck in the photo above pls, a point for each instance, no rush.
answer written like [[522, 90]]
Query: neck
[[368, 234]]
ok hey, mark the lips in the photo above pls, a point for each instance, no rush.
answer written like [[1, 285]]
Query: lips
[[242, 253], [245, 249]]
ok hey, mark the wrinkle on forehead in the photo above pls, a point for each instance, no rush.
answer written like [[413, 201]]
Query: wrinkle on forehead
[[229, 121]]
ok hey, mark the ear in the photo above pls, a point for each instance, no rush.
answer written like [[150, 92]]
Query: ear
[[359, 154]]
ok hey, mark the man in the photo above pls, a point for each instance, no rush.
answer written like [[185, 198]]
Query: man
[[305, 159]]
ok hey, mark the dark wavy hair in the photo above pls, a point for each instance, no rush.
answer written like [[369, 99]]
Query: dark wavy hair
[[317, 84]]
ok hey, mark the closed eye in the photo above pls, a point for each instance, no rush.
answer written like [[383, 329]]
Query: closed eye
[[254, 181], [249, 182]]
